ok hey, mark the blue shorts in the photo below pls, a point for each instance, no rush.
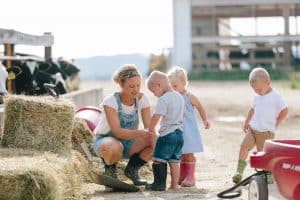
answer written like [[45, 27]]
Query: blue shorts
[[126, 144], [168, 147]]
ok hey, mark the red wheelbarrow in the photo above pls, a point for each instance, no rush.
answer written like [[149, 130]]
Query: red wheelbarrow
[[90, 114], [282, 158]]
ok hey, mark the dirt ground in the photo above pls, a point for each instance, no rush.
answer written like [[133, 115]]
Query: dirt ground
[[226, 104]]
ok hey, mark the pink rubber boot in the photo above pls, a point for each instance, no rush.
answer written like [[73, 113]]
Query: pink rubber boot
[[189, 180], [182, 172]]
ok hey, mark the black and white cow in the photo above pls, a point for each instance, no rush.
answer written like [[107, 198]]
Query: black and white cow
[[71, 72], [48, 72], [23, 80], [3, 77], [31, 73]]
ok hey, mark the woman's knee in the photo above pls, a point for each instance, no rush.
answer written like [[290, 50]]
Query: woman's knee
[[139, 146], [110, 150]]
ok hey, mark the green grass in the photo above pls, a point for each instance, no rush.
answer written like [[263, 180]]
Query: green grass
[[294, 78], [235, 75]]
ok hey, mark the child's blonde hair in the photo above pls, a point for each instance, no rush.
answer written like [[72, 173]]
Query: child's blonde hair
[[157, 76], [259, 74], [178, 73], [125, 72]]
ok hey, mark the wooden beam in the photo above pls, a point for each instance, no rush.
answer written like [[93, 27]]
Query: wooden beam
[[241, 11], [245, 39], [14, 37], [239, 2], [22, 58]]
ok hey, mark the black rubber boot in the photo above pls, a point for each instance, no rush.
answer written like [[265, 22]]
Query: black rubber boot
[[132, 170], [110, 170], [160, 177]]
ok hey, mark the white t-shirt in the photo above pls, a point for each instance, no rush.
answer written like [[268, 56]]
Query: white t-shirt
[[103, 128], [266, 110], [170, 106]]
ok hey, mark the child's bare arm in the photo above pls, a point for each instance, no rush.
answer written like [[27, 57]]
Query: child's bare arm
[[153, 122], [194, 100], [281, 116], [248, 118]]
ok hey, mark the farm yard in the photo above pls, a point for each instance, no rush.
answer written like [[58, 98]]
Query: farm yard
[[226, 104]]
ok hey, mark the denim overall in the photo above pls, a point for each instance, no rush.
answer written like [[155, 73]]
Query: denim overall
[[127, 121]]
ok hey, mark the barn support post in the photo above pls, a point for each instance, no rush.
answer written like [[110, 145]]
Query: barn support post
[[48, 49], [48, 52], [287, 45], [9, 51]]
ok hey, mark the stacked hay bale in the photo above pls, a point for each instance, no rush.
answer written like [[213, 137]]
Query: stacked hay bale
[[1, 133], [41, 123], [37, 175], [38, 163], [81, 133]]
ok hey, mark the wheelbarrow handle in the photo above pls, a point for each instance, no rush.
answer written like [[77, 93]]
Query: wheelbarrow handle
[[52, 90]]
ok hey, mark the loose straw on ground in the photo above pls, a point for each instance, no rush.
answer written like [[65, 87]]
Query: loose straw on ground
[[35, 175]]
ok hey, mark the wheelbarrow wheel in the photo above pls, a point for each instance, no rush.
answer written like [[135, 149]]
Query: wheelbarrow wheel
[[258, 188]]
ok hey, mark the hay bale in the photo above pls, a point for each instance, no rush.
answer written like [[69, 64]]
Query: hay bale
[[84, 168], [80, 133], [37, 176], [40, 123], [1, 133]]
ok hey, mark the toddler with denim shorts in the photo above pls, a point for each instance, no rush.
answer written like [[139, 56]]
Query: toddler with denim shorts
[[170, 109], [267, 111]]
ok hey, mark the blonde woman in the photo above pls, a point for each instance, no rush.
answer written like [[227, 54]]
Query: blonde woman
[[117, 133]]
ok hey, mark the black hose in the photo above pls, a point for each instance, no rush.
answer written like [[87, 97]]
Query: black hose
[[231, 193]]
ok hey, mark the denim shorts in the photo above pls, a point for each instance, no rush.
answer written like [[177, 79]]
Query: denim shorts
[[126, 144], [168, 147]]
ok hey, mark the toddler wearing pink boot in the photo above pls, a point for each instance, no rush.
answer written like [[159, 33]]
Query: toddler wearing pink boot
[[191, 135]]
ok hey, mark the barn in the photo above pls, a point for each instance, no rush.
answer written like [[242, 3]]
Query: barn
[[205, 41]]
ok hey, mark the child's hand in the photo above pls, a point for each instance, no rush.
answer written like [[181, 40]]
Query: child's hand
[[246, 127], [206, 124], [152, 136]]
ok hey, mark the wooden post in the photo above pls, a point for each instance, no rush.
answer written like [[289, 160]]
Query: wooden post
[[287, 45], [48, 49], [48, 53], [9, 51]]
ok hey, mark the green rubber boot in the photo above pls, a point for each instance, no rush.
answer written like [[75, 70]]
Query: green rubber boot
[[239, 171], [270, 179]]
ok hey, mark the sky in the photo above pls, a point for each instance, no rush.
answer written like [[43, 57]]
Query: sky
[[85, 28]]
